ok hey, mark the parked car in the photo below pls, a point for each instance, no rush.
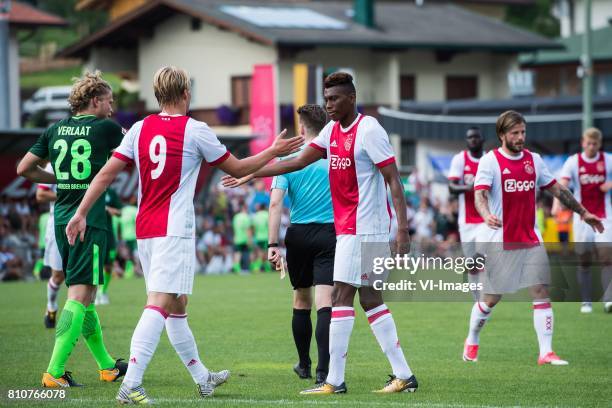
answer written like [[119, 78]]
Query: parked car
[[49, 98]]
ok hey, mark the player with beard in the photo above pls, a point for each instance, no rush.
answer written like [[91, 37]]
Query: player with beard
[[505, 187]]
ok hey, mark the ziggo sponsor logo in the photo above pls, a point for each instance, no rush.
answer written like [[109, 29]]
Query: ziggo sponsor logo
[[340, 163], [512, 185], [592, 179]]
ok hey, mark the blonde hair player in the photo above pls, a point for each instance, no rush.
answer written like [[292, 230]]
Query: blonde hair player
[[77, 148], [174, 147], [589, 174], [505, 185]]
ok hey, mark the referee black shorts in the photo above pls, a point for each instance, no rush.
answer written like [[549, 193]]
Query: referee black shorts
[[310, 254]]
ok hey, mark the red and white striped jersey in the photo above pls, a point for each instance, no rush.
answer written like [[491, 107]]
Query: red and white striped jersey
[[586, 177], [463, 167], [168, 152], [512, 181], [358, 190]]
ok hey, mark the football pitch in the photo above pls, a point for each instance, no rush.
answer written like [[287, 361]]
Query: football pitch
[[242, 323]]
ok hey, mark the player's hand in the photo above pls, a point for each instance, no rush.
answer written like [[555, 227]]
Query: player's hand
[[402, 242], [493, 222], [594, 221], [274, 256], [283, 147], [605, 187], [233, 182], [76, 227]]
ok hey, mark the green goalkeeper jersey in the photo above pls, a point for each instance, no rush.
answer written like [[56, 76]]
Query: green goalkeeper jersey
[[77, 148]]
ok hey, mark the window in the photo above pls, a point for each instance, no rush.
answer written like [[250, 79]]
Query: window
[[461, 87], [408, 153], [59, 97], [407, 92], [241, 91]]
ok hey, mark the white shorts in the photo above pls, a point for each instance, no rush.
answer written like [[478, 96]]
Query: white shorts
[[168, 264], [52, 257], [585, 236], [353, 265], [468, 234], [507, 271]]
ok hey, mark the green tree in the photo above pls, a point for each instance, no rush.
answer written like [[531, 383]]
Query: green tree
[[537, 17]]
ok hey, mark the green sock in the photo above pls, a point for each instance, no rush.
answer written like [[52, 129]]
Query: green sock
[[107, 279], [129, 270], [67, 334], [267, 267], [236, 267], [93, 336], [38, 267]]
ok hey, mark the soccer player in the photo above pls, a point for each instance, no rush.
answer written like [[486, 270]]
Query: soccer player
[[241, 225], [589, 174], [113, 212], [128, 236], [47, 193], [168, 149], [259, 221], [77, 148], [461, 182], [310, 242], [505, 197], [361, 165]]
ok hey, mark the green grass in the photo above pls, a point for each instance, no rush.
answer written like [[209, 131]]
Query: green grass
[[60, 77], [243, 323]]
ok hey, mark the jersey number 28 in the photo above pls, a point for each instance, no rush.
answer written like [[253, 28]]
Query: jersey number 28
[[80, 166]]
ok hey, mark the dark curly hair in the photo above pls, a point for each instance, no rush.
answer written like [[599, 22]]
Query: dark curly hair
[[313, 117], [343, 79]]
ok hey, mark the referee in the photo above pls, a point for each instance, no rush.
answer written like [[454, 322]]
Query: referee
[[310, 242]]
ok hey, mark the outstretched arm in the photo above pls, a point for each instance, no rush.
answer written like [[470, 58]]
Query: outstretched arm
[[565, 196], [96, 188], [31, 168], [309, 155], [242, 167], [481, 201]]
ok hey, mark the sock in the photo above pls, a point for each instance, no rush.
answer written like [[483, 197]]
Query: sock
[[480, 314], [322, 336], [606, 283], [383, 326], [129, 270], [38, 266], [340, 328], [144, 342], [583, 273], [67, 334], [182, 340], [107, 278], [301, 326], [543, 323], [92, 332], [52, 290]]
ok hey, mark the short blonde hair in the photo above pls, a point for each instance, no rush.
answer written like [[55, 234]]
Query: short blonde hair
[[169, 84], [592, 134], [89, 86], [507, 121]]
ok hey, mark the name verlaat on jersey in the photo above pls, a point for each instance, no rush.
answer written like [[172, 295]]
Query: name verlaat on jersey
[[73, 130]]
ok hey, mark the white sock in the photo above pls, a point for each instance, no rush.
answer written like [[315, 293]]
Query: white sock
[[144, 342], [478, 318], [340, 328], [383, 326], [52, 290], [606, 283], [182, 340], [543, 323]]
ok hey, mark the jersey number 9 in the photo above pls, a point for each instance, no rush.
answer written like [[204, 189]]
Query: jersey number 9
[[157, 154]]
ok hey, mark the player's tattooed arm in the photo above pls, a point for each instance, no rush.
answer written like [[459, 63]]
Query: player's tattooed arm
[[481, 201], [565, 196]]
